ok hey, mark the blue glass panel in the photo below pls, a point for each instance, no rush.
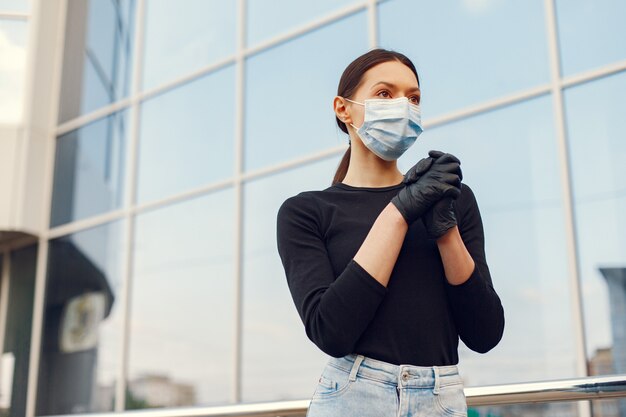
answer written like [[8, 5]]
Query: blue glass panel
[[186, 137], [290, 90], [89, 170], [274, 340], [595, 128], [591, 33], [184, 36], [268, 18], [97, 56], [467, 52], [182, 314], [83, 322]]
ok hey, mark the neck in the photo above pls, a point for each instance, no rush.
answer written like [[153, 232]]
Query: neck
[[368, 170]]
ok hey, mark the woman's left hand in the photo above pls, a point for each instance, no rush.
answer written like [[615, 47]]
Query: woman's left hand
[[440, 218]]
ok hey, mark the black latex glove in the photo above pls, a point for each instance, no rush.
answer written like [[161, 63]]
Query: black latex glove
[[445, 162], [428, 181], [441, 217]]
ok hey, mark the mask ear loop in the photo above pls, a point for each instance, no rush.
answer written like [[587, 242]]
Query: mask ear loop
[[352, 124]]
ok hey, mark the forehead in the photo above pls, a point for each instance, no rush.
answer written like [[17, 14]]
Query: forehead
[[393, 72]]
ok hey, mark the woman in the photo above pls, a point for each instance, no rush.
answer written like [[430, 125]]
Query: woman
[[386, 270]]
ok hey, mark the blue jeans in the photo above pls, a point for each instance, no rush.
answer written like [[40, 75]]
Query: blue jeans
[[359, 386]]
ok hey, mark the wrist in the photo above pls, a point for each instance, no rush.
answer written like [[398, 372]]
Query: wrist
[[394, 214], [449, 237]]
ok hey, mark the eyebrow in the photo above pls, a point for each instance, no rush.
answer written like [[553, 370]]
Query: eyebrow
[[390, 85]]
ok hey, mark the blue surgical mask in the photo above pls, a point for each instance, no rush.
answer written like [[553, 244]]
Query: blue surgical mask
[[390, 126]]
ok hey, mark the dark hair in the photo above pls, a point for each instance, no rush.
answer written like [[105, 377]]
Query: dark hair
[[350, 82]]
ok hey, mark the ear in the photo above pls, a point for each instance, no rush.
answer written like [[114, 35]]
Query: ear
[[341, 111]]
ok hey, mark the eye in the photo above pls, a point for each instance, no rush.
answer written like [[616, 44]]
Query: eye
[[414, 99], [383, 94]]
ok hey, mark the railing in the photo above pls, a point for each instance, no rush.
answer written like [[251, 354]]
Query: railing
[[587, 388]]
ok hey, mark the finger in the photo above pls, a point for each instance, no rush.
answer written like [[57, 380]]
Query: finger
[[418, 170], [451, 192], [435, 154], [451, 179], [452, 167], [446, 157]]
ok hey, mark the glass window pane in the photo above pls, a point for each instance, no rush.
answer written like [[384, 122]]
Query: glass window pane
[[182, 314], [15, 6], [182, 37], [82, 336], [459, 58], [513, 169], [595, 126], [89, 170], [264, 22], [274, 340], [16, 350], [290, 92], [97, 56], [186, 138], [591, 33], [13, 40]]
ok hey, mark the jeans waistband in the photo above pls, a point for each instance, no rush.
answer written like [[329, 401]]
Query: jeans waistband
[[400, 375]]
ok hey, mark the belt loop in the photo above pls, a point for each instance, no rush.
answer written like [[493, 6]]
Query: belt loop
[[436, 370], [355, 367]]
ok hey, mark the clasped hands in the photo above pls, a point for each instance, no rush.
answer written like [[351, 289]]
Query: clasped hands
[[431, 186]]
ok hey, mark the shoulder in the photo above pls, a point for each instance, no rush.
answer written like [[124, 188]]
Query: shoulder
[[467, 193], [304, 204]]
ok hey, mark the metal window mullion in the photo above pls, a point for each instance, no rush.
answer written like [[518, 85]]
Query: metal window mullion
[[4, 302], [594, 74], [306, 28], [42, 250], [372, 14], [129, 204], [568, 203], [238, 190], [14, 16]]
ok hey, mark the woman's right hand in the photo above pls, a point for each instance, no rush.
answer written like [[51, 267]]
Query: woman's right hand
[[428, 181]]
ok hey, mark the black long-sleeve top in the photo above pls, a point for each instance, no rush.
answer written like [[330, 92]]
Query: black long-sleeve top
[[418, 318]]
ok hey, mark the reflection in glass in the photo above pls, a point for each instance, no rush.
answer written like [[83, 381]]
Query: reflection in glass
[[264, 22], [13, 39], [591, 33], [513, 169], [186, 138], [182, 37], [16, 350], [290, 92], [89, 170], [182, 314], [274, 340], [82, 335], [595, 126], [545, 409], [459, 58], [97, 55]]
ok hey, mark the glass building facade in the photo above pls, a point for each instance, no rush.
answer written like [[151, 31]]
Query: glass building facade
[[182, 127]]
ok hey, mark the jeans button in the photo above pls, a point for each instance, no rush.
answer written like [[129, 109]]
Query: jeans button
[[405, 375]]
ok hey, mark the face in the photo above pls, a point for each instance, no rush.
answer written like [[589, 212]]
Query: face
[[387, 80]]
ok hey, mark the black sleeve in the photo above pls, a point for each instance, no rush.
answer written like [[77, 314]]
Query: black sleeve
[[335, 310], [476, 307]]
